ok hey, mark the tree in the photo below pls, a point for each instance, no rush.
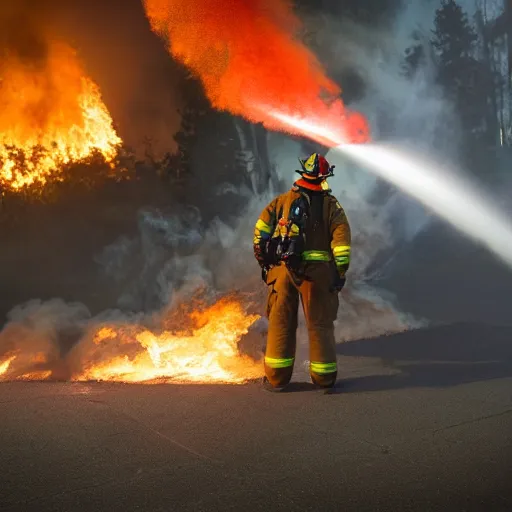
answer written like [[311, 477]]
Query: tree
[[495, 32], [195, 108], [490, 56], [212, 172], [254, 157], [454, 38], [465, 80], [217, 151], [417, 55]]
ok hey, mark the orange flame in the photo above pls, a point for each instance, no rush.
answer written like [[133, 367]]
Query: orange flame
[[251, 64], [208, 353], [4, 365], [31, 361], [50, 115]]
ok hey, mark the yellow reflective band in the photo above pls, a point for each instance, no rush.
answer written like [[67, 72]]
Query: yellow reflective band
[[263, 226], [316, 256], [323, 368], [279, 363], [341, 250]]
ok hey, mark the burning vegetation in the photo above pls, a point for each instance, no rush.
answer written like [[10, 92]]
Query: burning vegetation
[[51, 115]]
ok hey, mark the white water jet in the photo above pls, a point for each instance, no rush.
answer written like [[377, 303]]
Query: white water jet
[[454, 199]]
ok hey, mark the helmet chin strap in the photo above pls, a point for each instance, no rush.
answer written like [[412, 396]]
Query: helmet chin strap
[[315, 185]]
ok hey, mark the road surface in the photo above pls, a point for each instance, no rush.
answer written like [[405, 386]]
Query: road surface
[[422, 421]]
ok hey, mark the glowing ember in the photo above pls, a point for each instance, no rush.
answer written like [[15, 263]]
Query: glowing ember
[[40, 375], [50, 115]]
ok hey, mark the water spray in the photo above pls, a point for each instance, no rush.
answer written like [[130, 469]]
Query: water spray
[[455, 200], [226, 46]]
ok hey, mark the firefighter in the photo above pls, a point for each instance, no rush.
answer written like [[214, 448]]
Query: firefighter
[[302, 244]]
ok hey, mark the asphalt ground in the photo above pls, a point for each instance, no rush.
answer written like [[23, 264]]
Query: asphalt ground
[[420, 421]]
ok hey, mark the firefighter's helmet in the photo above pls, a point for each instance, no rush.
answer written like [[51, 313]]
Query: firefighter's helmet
[[316, 168]]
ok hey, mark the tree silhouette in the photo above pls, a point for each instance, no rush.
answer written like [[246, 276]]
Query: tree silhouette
[[206, 164], [196, 108], [416, 55], [466, 81]]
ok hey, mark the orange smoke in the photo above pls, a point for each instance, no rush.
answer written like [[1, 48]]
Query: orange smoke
[[251, 64], [51, 114], [207, 352]]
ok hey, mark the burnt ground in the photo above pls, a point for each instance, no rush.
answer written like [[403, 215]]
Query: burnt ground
[[421, 421]]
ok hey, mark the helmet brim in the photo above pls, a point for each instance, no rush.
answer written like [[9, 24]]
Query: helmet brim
[[311, 177]]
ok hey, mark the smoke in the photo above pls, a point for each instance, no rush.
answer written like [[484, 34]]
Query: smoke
[[166, 256], [411, 110], [174, 256], [25, 47], [178, 257], [173, 259], [140, 84], [22, 30], [39, 332]]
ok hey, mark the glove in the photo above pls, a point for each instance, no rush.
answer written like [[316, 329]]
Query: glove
[[339, 283]]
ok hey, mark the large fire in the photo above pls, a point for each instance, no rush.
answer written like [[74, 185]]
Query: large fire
[[51, 114], [251, 62], [206, 353]]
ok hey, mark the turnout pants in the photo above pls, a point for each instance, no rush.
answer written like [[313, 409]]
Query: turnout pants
[[320, 307]]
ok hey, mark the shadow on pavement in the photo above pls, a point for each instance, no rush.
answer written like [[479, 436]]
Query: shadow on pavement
[[434, 357], [295, 387]]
